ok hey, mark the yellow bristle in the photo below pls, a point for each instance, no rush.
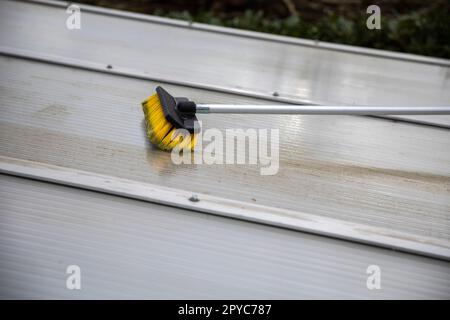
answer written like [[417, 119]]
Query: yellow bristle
[[161, 132]]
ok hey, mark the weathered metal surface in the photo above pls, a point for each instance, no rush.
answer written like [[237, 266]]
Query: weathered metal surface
[[357, 169], [238, 63], [381, 174], [133, 249]]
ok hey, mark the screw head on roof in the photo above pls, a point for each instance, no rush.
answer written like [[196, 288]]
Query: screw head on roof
[[275, 94], [109, 66], [194, 198]]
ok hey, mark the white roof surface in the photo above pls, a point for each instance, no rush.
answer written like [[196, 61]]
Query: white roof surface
[[66, 118]]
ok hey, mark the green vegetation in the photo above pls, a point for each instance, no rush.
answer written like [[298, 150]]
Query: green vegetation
[[425, 33]]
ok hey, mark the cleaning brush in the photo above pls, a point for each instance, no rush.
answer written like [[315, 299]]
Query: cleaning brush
[[171, 121]]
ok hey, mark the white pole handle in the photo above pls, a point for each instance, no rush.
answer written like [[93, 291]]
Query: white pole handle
[[324, 110]]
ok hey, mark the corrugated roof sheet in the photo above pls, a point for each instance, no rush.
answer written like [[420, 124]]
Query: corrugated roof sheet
[[132, 249], [356, 169]]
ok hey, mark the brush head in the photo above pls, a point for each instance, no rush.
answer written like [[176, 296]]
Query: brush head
[[167, 127]]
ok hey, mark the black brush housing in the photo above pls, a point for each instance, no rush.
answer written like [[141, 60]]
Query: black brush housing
[[179, 111]]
